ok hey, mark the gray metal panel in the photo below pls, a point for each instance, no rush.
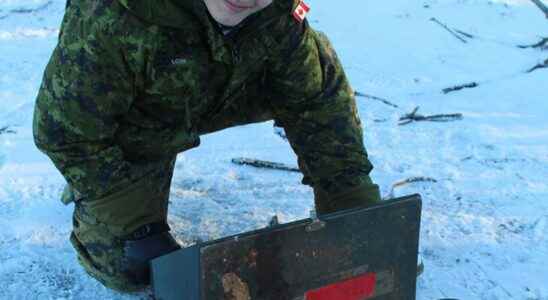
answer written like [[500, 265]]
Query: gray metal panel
[[286, 261], [176, 276]]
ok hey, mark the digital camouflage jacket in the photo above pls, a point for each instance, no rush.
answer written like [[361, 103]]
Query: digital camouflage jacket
[[131, 81]]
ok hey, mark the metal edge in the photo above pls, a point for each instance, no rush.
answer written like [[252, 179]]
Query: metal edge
[[387, 203]]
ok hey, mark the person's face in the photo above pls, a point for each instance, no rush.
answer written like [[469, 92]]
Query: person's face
[[232, 12]]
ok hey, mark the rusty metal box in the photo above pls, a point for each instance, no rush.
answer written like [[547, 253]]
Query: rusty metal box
[[358, 254]]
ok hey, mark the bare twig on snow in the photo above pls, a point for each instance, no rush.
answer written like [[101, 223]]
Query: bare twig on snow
[[264, 164], [409, 181], [448, 29], [27, 10], [542, 7], [466, 34], [460, 87], [359, 94], [539, 66], [414, 117], [31, 10], [380, 120], [542, 44], [410, 116], [6, 129]]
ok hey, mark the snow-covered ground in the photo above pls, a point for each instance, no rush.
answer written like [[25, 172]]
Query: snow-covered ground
[[485, 222]]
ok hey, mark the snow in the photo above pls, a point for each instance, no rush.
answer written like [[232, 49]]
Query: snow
[[485, 222]]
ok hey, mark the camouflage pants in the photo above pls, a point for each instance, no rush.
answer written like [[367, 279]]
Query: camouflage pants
[[101, 224]]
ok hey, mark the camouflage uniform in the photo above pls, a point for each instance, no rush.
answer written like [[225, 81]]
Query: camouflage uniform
[[132, 83]]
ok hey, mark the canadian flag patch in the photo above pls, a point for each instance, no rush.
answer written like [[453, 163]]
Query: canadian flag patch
[[300, 12]]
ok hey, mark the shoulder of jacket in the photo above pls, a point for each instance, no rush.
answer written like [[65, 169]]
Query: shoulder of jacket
[[289, 21], [293, 12], [86, 18]]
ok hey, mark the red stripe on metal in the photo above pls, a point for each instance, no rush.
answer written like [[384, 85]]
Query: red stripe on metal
[[358, 288]]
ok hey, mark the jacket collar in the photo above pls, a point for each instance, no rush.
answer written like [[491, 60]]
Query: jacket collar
[[187, 14]]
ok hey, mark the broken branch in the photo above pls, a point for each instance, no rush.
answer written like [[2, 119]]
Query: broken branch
[[448, 29], [466, 34], [264, 164], [6, 129], [543, 44], [31, 10], [414, 117], [443, 117], [409, 181], [460, 87], [27, 10], [542, 7], [359, 94], [539, 66], [413, 180], [408, 118]]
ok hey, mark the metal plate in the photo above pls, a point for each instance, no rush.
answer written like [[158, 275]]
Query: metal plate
[[291, 261]]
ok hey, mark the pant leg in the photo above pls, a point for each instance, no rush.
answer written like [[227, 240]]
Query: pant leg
[[100, 225]]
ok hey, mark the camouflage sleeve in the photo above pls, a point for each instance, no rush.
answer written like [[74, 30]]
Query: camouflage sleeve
[[86, 86], [315, 104]]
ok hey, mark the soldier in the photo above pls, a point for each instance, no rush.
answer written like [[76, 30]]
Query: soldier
[[132, 83]]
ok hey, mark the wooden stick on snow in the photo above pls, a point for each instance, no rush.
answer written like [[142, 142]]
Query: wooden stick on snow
[[448, 29], [264, 164], [542, 7]]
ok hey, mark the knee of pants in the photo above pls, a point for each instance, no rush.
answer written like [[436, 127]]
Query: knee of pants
[[101, 253], [143, 202]]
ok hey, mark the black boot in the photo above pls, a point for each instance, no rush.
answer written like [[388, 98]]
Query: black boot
[[143, 245]]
